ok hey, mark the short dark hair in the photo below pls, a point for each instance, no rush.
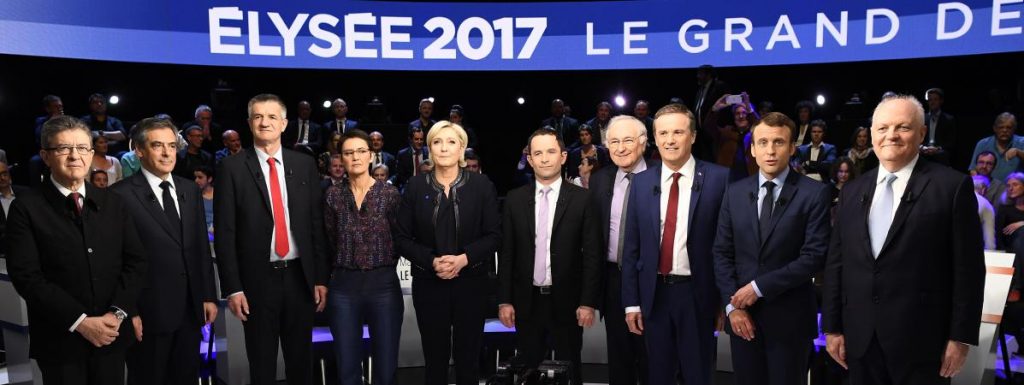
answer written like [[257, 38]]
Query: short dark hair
[[708, 69], [50, 99], [193, 127], [818, 123], [141, 130], [990, 153], [93, 173], [458, 110], [263, 98], [676, 108], [413, 130], [60, 124], [542, 132], [206, 170], [354, 133], [471, 155], [776, 119], [937, 91], [804, 104], [97, 96]]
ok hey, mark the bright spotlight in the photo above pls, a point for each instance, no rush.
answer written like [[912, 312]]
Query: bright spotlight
[[521, 101], [114, 99], [327, 104], [620, 101], [820, 99]]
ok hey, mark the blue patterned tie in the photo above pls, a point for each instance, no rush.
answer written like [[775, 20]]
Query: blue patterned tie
[[880, 217]]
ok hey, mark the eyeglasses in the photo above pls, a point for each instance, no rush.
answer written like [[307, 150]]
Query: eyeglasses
[[625, 142], [350, 153], [65, 149]]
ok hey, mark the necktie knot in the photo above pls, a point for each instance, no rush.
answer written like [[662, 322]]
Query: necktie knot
[[769, 185], [629, 176], [544, 192], [74, 196], [165, 185], [676, 176], [889, 179], [270, 161]]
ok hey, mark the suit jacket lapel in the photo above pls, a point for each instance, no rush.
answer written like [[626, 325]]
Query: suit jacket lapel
[[698, 181], [253, 162], [560, 206], [918, 181], [655, 204], [784, 201], [291, 183], [531, 208], [864, 211], [152, 205]]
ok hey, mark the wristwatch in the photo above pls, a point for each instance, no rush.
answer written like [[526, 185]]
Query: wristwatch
[[120, 314]]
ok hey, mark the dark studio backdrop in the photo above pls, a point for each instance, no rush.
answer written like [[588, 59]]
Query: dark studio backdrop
[[977, 88]]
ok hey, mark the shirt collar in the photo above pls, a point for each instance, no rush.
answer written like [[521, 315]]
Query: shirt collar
[[155, 181], [687, 170], [901, 174], [556, 186], [641, 166], [64, 190], [264, 156], [779, 180]]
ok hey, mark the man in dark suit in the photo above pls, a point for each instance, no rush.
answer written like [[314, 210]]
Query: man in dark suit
[[409, 158], [815, 159], [193, 157], [609, 188], [566, 127], [423, 122], [668, 282], [8, 193], [772, 239], [941, 135], [379, 155], [905, 272], [272, 194], [340, 124], [168, 211], [76, 259], [549, 264], [302, 131]]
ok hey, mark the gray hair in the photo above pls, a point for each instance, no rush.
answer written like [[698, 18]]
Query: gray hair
[[263, 98], [60, 124], [641, 129], [918, 108], [203, 108]]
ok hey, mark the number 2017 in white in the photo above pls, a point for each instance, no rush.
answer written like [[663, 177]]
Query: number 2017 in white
[[440, 48]]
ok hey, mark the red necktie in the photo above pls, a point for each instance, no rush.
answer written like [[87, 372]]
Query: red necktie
[[668, 237], [78, 205], [280, 227]]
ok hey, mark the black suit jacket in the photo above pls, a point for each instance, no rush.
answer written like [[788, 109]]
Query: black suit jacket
[[945, 137], [173, 254], [65, 266], [926, 286], [478, 224], [291, 135], [575, 252], [403, 165], [18, 191], [568, 129], [330, 127], [782, 261], [244, 221]]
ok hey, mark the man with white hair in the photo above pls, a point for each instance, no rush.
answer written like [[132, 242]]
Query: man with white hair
[[626, 138]]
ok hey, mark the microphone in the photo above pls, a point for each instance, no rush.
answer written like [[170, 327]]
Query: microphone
[[865, 199], [289, 173], [657, 190], [908, 197]]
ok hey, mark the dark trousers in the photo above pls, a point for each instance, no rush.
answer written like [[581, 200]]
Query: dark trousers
[[767, 361], [280, 308], [373, 298], [878, 368], [627, 355], [678, 338], [168, 357], [450, 315], [545, 322], [97, 369]]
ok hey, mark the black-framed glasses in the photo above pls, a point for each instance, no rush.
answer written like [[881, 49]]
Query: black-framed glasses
[[65, 150]]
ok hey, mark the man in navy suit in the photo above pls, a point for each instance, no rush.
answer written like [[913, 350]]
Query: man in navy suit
[[668, 284], [815, 159], [302, 131], [905, 274], [340, 124], [772, 238], [409, 158]]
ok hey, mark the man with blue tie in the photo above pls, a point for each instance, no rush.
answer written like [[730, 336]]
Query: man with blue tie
[[772, 238], [905, 273], [668, 284]]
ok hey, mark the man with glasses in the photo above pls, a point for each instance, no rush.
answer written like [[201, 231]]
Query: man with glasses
[[626, 138], [76, 259]]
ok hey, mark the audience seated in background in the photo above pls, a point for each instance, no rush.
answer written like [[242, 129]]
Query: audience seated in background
[[102, 124], [843, 171], [730, 135], [984, 163], [1010, 216], [379, 155], [600, 121], [335, 173], [804, 114], [53, 106], [586, 149], [409, 158], [98, 178], [985, 211], [861, 152], [193, 156], [765, 107], [301, 131], [203, 117], [815, 159], [232, 145], [424, 122], [473, 161], [939, 139], [338, 125], [642, 111], [1006, 147], [380, 172], [331, 148], [457, 115], [204, 179], [102, 161], [565, 126]]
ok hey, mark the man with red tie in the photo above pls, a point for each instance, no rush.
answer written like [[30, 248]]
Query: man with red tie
[[668, 282], [270, 246]]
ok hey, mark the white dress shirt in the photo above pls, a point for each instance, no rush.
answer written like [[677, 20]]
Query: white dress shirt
[[6, 201], [154, 184], [680, 256], [556, 187], [293, 251], [899, 186]]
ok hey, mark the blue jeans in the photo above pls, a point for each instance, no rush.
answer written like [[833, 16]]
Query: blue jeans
[[373, 298]]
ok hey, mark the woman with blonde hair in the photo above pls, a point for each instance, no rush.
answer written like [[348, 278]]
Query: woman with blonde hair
[[449, 229]]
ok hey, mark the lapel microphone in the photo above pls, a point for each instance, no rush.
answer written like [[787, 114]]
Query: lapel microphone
[[657, 190], [865, 199]]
